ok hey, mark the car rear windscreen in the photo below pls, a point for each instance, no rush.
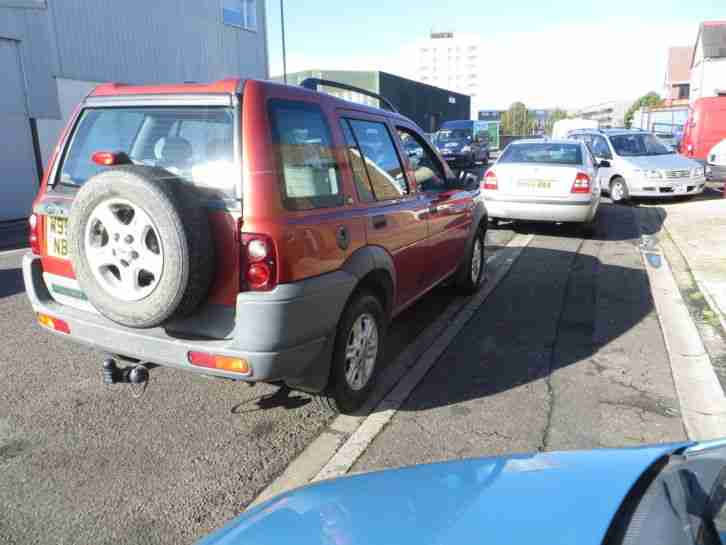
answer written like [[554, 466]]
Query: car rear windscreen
[[544, 152], [195, 144]]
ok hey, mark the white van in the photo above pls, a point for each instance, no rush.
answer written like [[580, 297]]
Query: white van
[[561, 128], [716, 162]]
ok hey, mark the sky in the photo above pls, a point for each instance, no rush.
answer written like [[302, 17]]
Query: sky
[[545, 53]]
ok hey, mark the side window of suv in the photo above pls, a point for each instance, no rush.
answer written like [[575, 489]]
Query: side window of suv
[[382, 164], [310, 174], [600, 147], [426, 167]]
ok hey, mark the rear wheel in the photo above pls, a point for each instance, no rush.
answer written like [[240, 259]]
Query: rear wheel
[[619, 190], [471, 274], [357, 354]]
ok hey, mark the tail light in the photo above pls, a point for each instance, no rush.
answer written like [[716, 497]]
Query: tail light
[[225, 363], [34, 239], [54, 323], [582, 183], [490, 180], [259, 263]]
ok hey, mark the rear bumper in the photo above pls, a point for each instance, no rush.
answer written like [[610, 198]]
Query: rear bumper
[[460, 159], [273, 331], [541, 209]]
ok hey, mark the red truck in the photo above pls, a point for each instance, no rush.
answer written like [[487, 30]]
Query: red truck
[[706, 127]]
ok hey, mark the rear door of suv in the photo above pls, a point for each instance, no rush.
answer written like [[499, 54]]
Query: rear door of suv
[[395, 216]]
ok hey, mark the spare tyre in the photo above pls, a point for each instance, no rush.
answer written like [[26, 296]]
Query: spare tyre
[[140, 245]]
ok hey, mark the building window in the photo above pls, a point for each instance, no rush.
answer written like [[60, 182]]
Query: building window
[[240, 13], [682, 91]]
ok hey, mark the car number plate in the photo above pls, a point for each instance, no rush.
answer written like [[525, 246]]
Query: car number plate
[[57, 237], [535, 185], [680, 188]]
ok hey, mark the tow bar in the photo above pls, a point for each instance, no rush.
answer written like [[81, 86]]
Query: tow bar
[[137, 375]]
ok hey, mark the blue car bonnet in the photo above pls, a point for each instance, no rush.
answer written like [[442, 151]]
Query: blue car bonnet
[[563, 498]]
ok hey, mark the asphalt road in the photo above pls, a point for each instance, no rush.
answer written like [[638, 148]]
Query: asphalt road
[[567, 353], [81, 462]]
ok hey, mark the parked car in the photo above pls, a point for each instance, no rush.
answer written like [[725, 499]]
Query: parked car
[[640, 165], [705, 127], [463, 143], [716, 166], [669, 494], [544, 180], [266, 239], [561, 128]]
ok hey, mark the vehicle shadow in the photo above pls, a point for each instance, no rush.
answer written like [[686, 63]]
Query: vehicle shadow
[[283, 397], [603, 229], [555, 308], [11, 282]]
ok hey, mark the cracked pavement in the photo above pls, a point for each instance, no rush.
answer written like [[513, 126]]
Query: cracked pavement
[[567, 353]]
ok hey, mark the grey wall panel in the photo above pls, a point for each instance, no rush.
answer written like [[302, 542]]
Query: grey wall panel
[[31, 29], [145, 42], [12, 25], [40, 65]]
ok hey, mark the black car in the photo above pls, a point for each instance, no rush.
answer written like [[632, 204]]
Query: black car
[[463, 143]]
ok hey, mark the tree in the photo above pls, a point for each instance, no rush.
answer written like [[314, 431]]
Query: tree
[[557, 115], [649, 100], [516, 121]]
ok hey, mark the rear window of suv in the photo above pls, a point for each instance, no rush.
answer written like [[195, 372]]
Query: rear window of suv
[[195, 144], [558, 154]]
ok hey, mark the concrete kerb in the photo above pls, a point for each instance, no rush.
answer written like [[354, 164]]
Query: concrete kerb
[[703, 405], [338, 447]]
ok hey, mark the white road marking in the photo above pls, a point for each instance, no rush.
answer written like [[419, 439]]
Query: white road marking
[[9, 253], [325, 457], [703, 404]]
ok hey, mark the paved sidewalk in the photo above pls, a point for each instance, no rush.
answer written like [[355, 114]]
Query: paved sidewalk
[[698, 228]]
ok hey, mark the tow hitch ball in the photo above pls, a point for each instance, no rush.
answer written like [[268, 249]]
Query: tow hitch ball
[[113, 374]]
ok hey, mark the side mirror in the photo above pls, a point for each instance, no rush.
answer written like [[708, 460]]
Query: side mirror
[[604, 163], [468, 180]]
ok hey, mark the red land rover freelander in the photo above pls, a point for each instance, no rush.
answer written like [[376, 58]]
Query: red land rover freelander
[[248, 230]]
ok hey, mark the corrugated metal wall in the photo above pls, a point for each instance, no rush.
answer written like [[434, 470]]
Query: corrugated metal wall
[[146, 41], [129, 41]]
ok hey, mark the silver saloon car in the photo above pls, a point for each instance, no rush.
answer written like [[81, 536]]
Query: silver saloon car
[[544, 180]]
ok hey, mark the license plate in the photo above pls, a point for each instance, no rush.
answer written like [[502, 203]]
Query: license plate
[[680, 188], [57, 237], [535, 185]]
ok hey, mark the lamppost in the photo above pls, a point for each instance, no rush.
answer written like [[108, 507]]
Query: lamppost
[[284, 55]]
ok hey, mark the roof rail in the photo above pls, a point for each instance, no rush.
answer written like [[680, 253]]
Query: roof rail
[[312, 83]]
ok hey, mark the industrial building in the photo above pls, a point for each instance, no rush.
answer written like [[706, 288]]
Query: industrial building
[[427, 105], [53, 52]]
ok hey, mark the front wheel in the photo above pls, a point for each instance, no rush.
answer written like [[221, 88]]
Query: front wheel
[[619, 190], [357, 354], [471, 274]]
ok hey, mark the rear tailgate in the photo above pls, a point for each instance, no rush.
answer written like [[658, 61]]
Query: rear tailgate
[[535, 180], [212, 163]]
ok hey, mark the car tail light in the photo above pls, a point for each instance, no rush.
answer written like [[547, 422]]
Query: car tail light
[[490, 180], [34, 239], [582, 183], [54, 323], [259, 263], [225, 363]]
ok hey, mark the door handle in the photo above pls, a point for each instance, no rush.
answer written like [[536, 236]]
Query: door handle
[[379, 222]]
